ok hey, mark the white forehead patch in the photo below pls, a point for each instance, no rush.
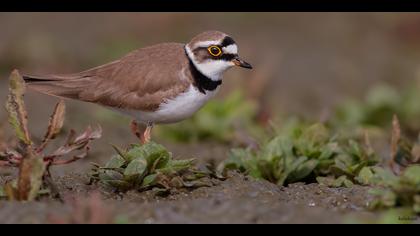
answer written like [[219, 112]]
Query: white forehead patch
[[230, 49], [207, 43]]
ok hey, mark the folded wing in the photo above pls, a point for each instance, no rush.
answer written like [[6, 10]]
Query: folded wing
[[142, 80]]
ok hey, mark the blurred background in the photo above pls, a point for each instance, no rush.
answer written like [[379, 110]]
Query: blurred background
[[305, 63]]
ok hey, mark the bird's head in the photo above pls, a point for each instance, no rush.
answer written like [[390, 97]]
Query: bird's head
[[213, 52]]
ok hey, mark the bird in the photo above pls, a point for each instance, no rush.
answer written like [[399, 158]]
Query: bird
[[159, 84]]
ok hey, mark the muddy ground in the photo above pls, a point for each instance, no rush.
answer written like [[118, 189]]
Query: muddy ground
[[235, 200]]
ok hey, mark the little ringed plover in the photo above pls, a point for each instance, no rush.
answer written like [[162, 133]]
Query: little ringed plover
[[163, 83]]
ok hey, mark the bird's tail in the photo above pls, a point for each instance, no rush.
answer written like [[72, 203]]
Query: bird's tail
[[65, 86]]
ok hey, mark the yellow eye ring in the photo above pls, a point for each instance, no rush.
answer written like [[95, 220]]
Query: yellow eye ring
[[214, 51]]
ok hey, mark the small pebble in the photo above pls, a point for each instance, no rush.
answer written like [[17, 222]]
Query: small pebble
[[253, 194]]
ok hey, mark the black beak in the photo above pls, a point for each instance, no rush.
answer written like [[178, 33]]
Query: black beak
[[238, 62]]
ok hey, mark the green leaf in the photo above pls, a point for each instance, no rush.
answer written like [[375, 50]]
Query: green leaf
[[105, 175], [341, 181], [328, 151], [38, 170], [135, 169], [278, 146], [365, 176], [181, 164], [265, 169], [326, 181], [161, 191], [412, 175], [133, 153], [176, 166], [316, 134], [120, 152], [348, 183], [161, 162], [237, 159], [385, 177], [31, 172], [150, 180], [385, 198], [176, 182], [341, 166], [15, 106], [150, 152], [355, 149], [55, 124], [116, 161], [153, 152], [416, 206], [302, 171], [121, 185], [2, 193]]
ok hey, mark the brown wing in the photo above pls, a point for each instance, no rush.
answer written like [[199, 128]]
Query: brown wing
[[141, 80]]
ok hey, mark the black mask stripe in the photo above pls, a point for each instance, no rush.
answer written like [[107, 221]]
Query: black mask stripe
[[223, 56], [228, 56]]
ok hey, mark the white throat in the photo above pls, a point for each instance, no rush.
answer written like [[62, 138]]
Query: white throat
[[213, 69]]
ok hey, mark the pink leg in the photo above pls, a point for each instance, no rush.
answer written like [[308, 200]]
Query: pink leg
[[143, 133], [135, 129], [147, 135]]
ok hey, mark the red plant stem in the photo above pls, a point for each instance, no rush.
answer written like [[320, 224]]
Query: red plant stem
[[16, 158], [49, 158], [16, 162], [41, 148], [4, 163]]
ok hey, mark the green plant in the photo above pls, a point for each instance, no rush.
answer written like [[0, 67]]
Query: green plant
[[402, 191], [378, 108], [148, 166], [30, 158], [403, 151], [302, 152], [219, 120], [398, 186]]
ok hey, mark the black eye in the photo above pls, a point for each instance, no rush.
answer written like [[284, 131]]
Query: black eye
[[214, 51]]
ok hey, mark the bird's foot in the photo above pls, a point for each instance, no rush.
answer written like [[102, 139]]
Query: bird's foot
[[135, 129], [147, 135], [142, 132]]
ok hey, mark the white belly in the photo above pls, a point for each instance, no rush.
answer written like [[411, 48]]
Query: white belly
[[181, 107]]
